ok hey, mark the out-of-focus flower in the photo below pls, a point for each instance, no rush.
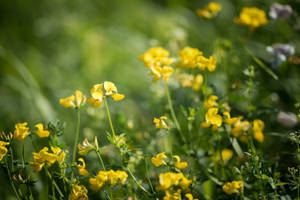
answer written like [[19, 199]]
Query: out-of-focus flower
[[190, 196], [258, 127], [210, 10], [226, 155], [158, 72], [240, 126], [233, 187], [287, 119], [170, 179], [230, 120], [278, 11], [110, 177], [98, 94], [178, 164], [79, 192], [73, 101], [158, 160], [3, 149], [281, 53], [188, 80], [252, 17], [193, 58], [160, 123], [41, 132], [170, 195], [211, 102], [213, 118], [21, 131], [84, 147], [81, 168]]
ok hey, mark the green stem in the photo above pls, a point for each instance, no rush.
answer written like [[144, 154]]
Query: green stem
[[173, 114], [11, 181], [53, 182], [138, 184], [170, 143], [100, 159], [148, 175], [109, 118], [76, 135]]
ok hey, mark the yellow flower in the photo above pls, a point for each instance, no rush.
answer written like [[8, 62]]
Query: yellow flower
[[84, 147], [178, 164], [190, 196], [211, 102], [158, 72], [188, 80], [239, 127], [233, 187], [198, 80], [73, 101], [160, 122], [41, 132], [170, 179], [81, 168], [213, 118], [158, 160], [156, 56], [110, 177], [210, 10], [258, 127], [3, 149], [21, 131], [252, 17], [226, 155], [172, 196], [98, 94], [79, 192], [190, 58], [230, 120]]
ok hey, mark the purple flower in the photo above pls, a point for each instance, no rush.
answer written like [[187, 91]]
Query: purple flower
[[281, 53], [279, 11]]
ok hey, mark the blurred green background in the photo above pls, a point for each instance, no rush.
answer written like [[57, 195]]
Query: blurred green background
[[50, 48]]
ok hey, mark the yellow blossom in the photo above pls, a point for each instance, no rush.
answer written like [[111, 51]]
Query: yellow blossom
[[73, 101], [226, 155], [172, 196], [210, 10], [239, 127], [258, 127], [198, 80], [252, 17], [160, 122], [21, 131], [81, 168], [170, 179], [188, 80], [3, 149], [41, 132], [110, 177], [79, 192], [233, 187], [84, 147], [190, 196], [158, 160], [213, 118], [230, 120], [158, 72], [156, 56], [211, 102], [178, 164]]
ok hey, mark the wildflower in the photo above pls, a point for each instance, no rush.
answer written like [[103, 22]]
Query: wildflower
[[188, 80], [226, 155], [230, 120], [79, 192], [3, 149], [21, 131], [156, 56], [240, 126], [258, 127], [211, 102], [158, 160], [73, 101], [233, 187], [190, 196], [160, 122], [281, 53], [252, 17], [84, 147], [212, 117], [278, 11], [178, 164], [41, 132], [81, 168], [172, 196], [209, 11], [98, 94], [169, 179], [108, 177]]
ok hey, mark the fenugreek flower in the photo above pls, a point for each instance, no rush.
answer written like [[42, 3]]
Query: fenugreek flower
[[252, 17], [178, 164], [73, 101], [258, 127], [209, 11], [159, 159], [110, 91], [41, 132], [110, 177], [21, 131], [79, 192], [3, 149], [81, 168], [170, 179], [233, 187], [84, 147]]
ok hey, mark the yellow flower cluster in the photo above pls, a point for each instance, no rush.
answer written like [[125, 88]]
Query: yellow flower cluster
[[108, 177], [160, 159], [21, 131], [41, 132], [210, 10], [212, 118], [189, 80], [171, 179], [233, 187], [252, 17], [79, 192], [160, 123], [3, 149], [45, 157], [110, 91], [81, 168], [73, 101], [158, 61], [193, 58]]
